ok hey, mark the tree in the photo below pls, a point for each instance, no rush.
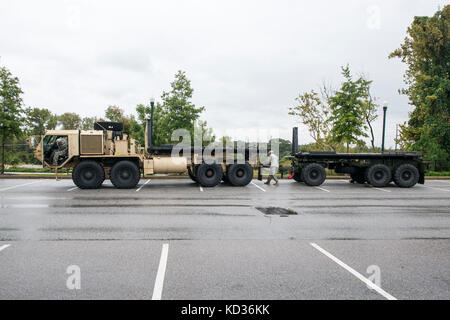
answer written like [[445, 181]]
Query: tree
[[116, 114], [87, 123], [11, 111], [314, 112], [204, 133], [137, 124], [284, 146], [347, 105], [426, 52], [39, 121], [176, 110], [369, 109], [69, 121]]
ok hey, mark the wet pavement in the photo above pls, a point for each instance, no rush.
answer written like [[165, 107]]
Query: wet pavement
[[253, 242]]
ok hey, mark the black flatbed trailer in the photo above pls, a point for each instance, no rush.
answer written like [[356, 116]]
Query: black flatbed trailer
[[405, 169]]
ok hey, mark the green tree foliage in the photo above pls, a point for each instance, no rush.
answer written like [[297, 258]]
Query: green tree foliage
[[314, 111], [137, 124], [284, 147], [114, 113], [39, 120], [11, 111], [87, 123], [69, 121], [326, 119], [347, 105], [177, 111], [426, 52], [204, 133], [369, 109]]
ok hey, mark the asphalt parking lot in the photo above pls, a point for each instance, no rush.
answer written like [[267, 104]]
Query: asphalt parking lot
[[171, 239]]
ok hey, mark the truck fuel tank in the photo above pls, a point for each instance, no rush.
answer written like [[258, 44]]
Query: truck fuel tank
[[169, 164]]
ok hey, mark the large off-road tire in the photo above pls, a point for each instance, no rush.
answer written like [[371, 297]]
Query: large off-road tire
[[313, 174], [406, 175], [209, 175], [88, 174], [240, 174], [125, 175], [378, 175], [359, 177], [297, 176]]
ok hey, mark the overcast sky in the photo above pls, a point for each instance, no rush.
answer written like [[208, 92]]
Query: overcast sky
[[247, 60]]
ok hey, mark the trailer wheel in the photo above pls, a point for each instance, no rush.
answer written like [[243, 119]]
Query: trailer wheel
[[297, 177], [406, 175], [240, 174], [88, 174], [359, 177], [313, 174], [209, 175], [378, 175], [125, 175]]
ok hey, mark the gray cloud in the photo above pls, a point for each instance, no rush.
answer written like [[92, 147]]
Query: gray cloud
[[247, 60]]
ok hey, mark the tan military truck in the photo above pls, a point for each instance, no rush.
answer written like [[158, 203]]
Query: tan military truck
[[109, 153]]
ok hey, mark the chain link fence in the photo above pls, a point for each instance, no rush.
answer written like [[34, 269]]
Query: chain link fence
[[18, 153]]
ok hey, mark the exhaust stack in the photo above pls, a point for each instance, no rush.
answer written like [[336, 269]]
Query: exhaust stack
[[149, 129], [294, 140]]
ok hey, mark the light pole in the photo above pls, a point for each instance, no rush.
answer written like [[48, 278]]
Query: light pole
[[2, 131], [384, 125]]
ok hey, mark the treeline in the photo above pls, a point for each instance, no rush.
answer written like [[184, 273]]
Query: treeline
[[340, 119], [22, 128]]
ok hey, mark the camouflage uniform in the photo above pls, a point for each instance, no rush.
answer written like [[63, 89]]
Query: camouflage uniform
[[62, 150]]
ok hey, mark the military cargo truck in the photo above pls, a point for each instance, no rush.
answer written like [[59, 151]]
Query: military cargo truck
[[107, 152], [405, 169]]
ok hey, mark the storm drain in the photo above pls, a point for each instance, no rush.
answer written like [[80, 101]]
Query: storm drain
[[276, 211]]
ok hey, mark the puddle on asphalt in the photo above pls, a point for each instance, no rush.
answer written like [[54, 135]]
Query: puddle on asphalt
[[282, 212]]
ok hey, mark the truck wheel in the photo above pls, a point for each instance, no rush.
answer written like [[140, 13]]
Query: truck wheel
[[191, 175], [297, 177], [88, 174], [313, 174], [209, 175], [406, 175], [240, 174], [378, 175], [358, 177], [125, 175]]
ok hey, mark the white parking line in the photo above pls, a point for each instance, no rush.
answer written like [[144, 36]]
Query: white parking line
[[258, 186], [382, 189], [322, 189], [143, 185], [71, 189], [448, 190], [20, 185], [355, 273], [159, 282], [4, 247]]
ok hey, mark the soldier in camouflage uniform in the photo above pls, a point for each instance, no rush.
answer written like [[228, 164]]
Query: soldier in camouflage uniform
[[62, 149]]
